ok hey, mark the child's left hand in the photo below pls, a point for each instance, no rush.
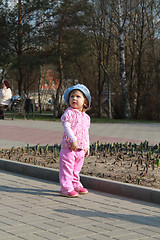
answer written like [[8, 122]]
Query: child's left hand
[[86, 152], [74, 146]]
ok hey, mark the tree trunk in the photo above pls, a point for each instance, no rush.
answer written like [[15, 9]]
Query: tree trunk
[[99, 73], [108, 91], [19, 51], [56, 102], [109, 99], [133, 50], [139, 64], [99, 90], [39, 95], [127, 113]]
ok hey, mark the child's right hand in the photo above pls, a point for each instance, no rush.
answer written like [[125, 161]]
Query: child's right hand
[[74, 146]]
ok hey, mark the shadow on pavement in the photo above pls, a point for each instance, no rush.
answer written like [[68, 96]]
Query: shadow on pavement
[[32, 191], [139, 219]]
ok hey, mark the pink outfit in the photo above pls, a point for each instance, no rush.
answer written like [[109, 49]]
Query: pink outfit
[[76, 125], [79, 125]]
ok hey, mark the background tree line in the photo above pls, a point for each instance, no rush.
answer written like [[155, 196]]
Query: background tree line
[[113, 47]]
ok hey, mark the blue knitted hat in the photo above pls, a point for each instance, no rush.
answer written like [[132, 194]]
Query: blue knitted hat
[[81, 88]]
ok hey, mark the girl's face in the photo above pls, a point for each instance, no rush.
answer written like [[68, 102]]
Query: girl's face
[[76, 100]]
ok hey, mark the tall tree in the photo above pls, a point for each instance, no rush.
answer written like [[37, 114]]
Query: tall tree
[[102, 37], [114, 19], [141, 39], [68, 32], [127, 112], [19, 49], [6, 50], [22, 28]]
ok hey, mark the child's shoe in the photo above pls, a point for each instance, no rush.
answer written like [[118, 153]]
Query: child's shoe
[[81, 190], [71, 194]]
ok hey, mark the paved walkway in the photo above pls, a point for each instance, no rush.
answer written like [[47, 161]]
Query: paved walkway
[[31, 208], [20, 132]]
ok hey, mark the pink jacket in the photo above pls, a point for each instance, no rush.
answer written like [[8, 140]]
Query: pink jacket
[[80, 124]]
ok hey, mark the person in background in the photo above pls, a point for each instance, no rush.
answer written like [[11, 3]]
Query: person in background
[[5, 97], [75, 142]]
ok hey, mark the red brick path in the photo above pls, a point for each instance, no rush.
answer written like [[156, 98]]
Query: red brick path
[[43, 137]]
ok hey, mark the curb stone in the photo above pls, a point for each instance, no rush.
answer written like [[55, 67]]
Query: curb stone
[[94, 183]]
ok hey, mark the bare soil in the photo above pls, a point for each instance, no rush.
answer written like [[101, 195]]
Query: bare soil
[[124, 163]]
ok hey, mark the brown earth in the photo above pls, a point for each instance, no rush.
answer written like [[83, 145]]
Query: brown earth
[[134, 165]]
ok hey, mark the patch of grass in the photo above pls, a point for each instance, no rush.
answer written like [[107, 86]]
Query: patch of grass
[[37, 116], [106, 120], [48, 116]]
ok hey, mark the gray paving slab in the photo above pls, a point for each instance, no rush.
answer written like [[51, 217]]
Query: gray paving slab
[[31, 208], [95, 183]]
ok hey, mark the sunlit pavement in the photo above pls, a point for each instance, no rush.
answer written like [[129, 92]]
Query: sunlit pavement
[[32, 209], [23, 132]]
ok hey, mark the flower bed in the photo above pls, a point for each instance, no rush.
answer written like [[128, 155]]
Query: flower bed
[[129, 163]]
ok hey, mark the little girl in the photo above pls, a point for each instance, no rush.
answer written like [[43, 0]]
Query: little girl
[[75, 142]]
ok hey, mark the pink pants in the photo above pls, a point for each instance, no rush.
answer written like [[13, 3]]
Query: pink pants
[[70, 164]]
